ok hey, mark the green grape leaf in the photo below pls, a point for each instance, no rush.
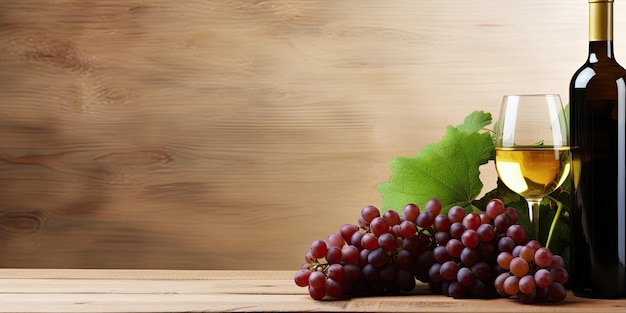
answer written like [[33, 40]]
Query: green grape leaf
[[475, 122], [447, 170]]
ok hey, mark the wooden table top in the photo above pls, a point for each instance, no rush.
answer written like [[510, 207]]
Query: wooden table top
[[54, 290]]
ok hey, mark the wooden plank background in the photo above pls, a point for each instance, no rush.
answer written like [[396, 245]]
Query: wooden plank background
[[230, 134]]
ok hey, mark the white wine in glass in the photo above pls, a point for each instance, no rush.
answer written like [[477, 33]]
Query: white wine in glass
[[532, 148]]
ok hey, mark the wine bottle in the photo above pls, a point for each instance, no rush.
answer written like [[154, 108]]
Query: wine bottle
[[598, 140]]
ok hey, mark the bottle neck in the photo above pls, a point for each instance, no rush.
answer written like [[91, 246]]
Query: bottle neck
[[600, 30], [600, 50]]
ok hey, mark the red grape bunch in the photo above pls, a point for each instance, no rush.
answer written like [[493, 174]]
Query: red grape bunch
[[459, 254], [533, 274], [380, 255], [466, 250]]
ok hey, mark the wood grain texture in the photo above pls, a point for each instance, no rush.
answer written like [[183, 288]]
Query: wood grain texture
[[230, 134], [54, 290]]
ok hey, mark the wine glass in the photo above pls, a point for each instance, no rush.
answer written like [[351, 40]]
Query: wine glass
[[532, 148]]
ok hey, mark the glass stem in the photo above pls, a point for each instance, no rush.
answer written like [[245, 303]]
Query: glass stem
[[533, 215]]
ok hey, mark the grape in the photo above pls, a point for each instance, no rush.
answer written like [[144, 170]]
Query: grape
[[317, 293], [506, 244], [392, 218], [377, 257], [543, 278], [442, 223], [410, 212], [471, 221], [335, 271], [407, 229], [557, 261], [527, 253], [511, 285], [527, 298], [485, 219], [318, 249], [534, 244], [434, 273], [499, 283], [301, 277], [454, 248], [388, 272], [504, 260], [347, 230], [387, 241], [556, 292], [448, 270], [308, 257], [335, 240], [362, 223], [465, 277], [469, 256], [519, 267], [369, 212], [370, 273], [517, 233], [559, 275], [369, 241], [363, 257], [502, 222], [378, 226], [456, 214], [333, 287], [512, 214], [486, 232], [351, 272], [333, 255], [441, 254], [456, 290], [406, 280], [433, 206], [425, 220], [442, 238], [470, 238], [356, 239], [317, 280], [481, 270], [543, 257], [350, 254], [395, 230], [527, 284], [456, 230], [494, 208]]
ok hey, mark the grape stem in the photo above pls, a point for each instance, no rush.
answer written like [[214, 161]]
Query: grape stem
[[559, 208]]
